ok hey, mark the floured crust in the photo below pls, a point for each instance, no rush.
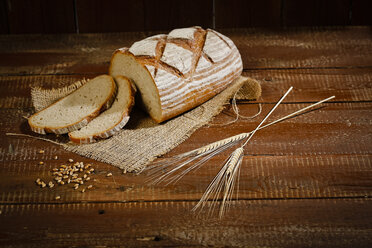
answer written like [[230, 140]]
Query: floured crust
[[188, 67], [76, 125], [116, 127]]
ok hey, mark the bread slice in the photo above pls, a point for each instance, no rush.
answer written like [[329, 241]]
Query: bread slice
[[77, 109], [179, 71], [112, 120]]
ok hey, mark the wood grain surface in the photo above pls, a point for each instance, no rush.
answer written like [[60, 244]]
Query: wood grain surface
[[305, 182], [93, 16]]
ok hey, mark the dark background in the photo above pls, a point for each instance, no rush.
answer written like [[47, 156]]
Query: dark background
[[95, 16]]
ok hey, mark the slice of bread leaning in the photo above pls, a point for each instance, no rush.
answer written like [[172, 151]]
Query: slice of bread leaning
[[77, 109], [112, 120]]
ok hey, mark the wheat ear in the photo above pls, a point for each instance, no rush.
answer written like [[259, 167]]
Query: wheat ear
[[226, 178]]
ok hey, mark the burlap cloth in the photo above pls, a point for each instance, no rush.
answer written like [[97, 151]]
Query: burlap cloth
[[142, 140]]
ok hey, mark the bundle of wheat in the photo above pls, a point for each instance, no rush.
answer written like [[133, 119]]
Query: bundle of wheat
[[178, 166]]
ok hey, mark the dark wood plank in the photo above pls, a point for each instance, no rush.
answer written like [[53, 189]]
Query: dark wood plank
[[91, 53], [316, 12], [97, 16], [67, 43], [62, 54], [240, 13], [283, 223], [4, 25], [297, 48], [58, 16], [262, 177], [170, 14], [41, 16], [350, 85], [325, 153], [361, 12], [25, 16]]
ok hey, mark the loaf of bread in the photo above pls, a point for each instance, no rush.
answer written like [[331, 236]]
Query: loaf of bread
[[112, 120], [77, 109], [176, 72]]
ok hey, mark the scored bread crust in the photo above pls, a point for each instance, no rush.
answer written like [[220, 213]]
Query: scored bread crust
[[117, 126], [83, 121], [187, 67]]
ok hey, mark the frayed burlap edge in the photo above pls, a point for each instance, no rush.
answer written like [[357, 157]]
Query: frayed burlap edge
[[42, 98], [135, 147]]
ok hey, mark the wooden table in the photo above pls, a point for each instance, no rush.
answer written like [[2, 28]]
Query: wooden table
[[305, 182]]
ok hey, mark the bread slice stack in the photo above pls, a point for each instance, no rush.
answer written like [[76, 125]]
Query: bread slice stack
[[98, 109], [112, 120], [77, 109], [173, 73]]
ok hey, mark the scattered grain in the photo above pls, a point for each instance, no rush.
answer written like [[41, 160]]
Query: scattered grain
[[70, 160], [83, 190], [55, 157], [109, 174], [90, 186], [41, 163], [41, 151], [58, 197]]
